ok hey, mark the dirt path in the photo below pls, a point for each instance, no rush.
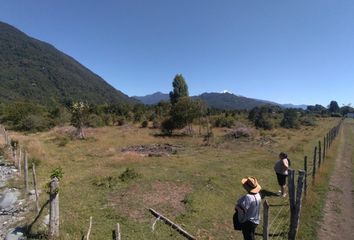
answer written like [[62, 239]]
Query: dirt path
[[338, 220]]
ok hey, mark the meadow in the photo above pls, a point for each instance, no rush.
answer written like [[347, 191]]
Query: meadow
[[196, 186]]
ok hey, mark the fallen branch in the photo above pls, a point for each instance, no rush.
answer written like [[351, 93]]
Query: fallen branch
[[172, 224]]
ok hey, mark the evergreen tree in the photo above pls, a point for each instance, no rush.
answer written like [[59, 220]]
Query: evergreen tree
[[180, 89], [333, 107]]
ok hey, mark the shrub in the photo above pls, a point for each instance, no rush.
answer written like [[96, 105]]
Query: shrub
[[144, 124], [33, 123], [93, 120], [57, 172], [35, 161], [290, 119], [167, 126], [308, 121], [241, 132], [129, 174], [224, 121]]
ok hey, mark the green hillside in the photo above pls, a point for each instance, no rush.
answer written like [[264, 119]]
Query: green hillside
[[32, 70]]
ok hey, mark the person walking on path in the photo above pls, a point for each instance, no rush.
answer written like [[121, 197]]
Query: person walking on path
[[281, 169], [248, 208]]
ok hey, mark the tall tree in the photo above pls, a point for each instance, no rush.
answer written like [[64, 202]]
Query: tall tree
[[333, 107], [180, 89]]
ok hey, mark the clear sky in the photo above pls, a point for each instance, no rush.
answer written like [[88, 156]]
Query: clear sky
[[287, 51]]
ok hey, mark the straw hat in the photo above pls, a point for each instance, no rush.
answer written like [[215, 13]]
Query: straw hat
[[251, 184]]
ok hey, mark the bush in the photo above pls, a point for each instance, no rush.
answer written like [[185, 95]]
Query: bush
[[308, 121], [144, 124], [224, 121], [129, 174], [57, 172], [167, 126], [33, 123], [241, 132], [262, 117], [35, 161], [290, 119], [94, 121]]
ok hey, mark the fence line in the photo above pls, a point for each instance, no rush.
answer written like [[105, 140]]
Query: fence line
[[296, 195]]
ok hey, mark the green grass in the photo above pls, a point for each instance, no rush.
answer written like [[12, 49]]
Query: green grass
[[203, 182]]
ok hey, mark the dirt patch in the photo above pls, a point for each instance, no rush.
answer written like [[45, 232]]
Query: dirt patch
[[165, 197], [154, 150], [338, 219]]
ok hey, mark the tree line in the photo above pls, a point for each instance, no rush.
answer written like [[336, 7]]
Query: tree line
[[180, 112]]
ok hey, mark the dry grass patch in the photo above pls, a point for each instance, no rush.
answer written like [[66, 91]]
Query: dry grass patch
[[166, 197]]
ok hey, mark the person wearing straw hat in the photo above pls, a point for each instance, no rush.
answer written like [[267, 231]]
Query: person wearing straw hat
[[248, 207], [281, 169]]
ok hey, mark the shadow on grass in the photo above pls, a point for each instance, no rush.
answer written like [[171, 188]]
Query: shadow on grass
[[265, 193]]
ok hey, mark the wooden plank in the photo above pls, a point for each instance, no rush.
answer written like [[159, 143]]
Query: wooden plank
[[172, 224]]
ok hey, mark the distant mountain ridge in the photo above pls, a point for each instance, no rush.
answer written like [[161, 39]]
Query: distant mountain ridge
[[32, 70], [224, 100], [154, 98]]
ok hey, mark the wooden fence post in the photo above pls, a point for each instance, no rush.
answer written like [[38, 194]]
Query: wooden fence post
[[265, 220], [35, 186], [324, 149], [295, 218], [305, 180], [118, 232], [319, 154], [26, 172], [89, 229], [54, 209], [314, 163], [291, 187], [19, 162]]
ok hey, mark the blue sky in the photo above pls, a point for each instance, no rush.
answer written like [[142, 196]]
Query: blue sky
[[280, 50]]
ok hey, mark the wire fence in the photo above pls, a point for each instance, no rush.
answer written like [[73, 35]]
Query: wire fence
[[279, 228]]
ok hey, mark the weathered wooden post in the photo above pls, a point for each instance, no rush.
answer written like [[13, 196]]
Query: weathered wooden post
[[54, 208], [118, 232], [19, 162], [314, 163], [26, 173], [324, 149], [35, 186], [14, 153], [89, 230], [319, 154], [305, 180], [291, 187], [265, 220], [295, 218]]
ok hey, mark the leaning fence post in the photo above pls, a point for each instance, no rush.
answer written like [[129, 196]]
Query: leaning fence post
[[314, 163], [26, 172], [319, 154], [305, 179], [89, 229], [265, 220], [54, 209], [294, 222], [35, 186]]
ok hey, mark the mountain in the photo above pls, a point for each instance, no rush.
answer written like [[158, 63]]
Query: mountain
[[289, 105], [32, 70], [229, 101], [153, 98], [224, 100]]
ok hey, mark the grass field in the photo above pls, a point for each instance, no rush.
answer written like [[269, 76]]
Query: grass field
[[196, 187]]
